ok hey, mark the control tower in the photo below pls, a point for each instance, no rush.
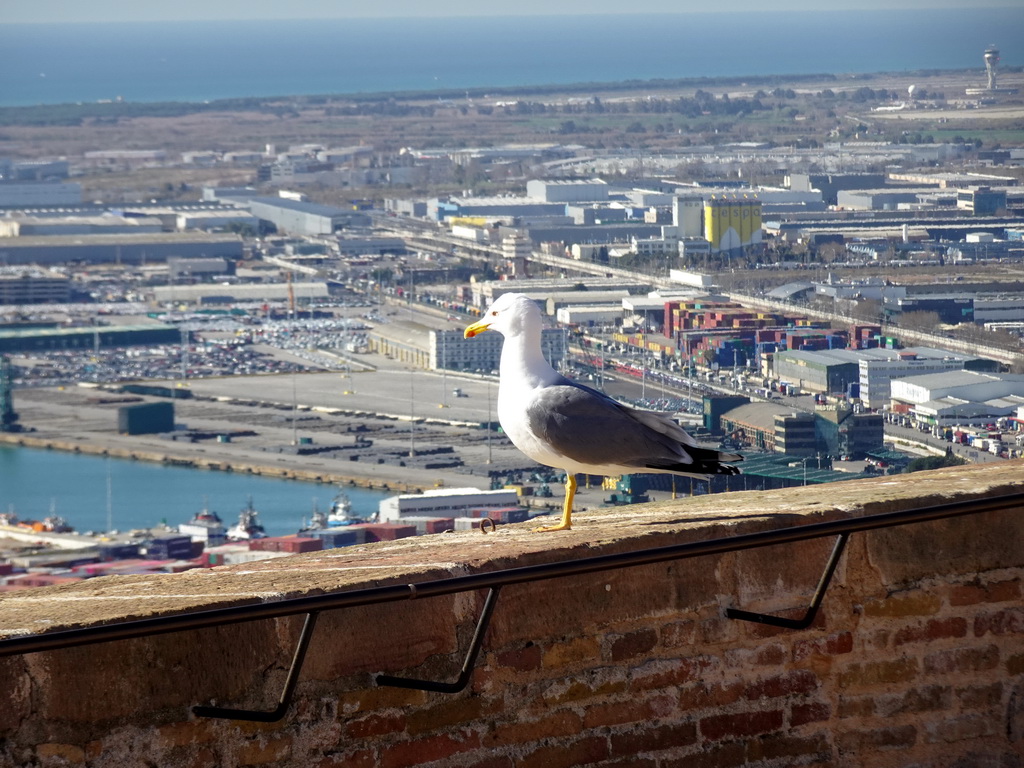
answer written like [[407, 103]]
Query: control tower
[[992, 70], [992, 66]]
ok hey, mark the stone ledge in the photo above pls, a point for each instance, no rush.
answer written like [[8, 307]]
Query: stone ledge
[[119, 598]]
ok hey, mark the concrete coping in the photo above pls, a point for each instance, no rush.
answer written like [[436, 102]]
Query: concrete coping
[[108, 599]]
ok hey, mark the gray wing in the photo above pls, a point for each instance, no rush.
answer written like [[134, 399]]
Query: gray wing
[[591, 428]]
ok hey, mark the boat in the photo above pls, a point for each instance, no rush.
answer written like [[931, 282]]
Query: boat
[[341, 512], [49, 524], [206, 527], [248, 525]]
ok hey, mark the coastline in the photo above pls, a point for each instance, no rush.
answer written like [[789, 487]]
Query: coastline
[[181, 459]]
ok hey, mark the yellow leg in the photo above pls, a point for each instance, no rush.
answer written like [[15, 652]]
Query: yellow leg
[[570, 494]]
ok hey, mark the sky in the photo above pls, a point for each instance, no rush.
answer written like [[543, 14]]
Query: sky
[[64, 11]]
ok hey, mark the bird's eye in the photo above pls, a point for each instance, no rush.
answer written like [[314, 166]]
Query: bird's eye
[[494, 313]]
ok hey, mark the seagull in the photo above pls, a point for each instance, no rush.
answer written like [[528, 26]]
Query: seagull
[[566, 425]]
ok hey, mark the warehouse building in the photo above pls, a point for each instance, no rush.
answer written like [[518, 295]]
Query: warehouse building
[[959, 398], [48, 339], [296, 217], [827, 371], [122, 249], [878, 368], [242, 293], [567, 191], [27, 285]]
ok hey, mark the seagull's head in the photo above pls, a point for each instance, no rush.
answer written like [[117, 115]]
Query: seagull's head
[[510, 314]]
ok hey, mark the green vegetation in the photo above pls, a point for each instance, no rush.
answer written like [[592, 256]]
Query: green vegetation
[[935, 462]]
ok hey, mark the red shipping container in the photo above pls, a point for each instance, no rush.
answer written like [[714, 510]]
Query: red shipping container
[[389, 531]]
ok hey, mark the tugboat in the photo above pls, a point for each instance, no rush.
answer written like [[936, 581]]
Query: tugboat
[[248, 525], [341, 512], [206, 527]]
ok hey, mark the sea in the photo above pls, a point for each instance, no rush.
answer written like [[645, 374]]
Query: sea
[[96, 493], [63, 63]]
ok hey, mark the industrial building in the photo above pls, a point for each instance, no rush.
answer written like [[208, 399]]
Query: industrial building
[[92, 337], [827, 371], [122, 249], [23, 225], [487, 291], [444, 502], [220, 293], [830, 431], [878, 368], [296, 217], [959, 398], [732, 223], [449, 349], [31, 194], [567, 191], [30, 285]]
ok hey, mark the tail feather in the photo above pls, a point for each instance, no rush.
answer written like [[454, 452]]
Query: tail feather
[[705, 462]]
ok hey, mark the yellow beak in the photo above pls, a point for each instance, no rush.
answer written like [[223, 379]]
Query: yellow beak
[[476, 328]]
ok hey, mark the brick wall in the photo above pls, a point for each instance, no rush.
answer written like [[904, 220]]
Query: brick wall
[[916, 659]]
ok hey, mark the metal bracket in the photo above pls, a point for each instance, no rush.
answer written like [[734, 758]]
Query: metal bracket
[[260, 716], [812, 609], [466, 673]]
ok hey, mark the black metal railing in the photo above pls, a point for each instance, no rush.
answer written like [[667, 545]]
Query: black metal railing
[[493, 581]]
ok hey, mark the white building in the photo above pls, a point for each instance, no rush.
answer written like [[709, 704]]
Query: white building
[[444, 502], [567, 191], [960, 398], [880, 367], [450, 350]]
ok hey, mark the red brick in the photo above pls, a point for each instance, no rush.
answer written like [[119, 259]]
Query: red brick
[[718, 727], [899, 737], [728, 755], [703, 695], [553, 725], [980, 696], [681, 634], [65, 753], [796, 682], [963, 728], [571, 652], [566, 691], [771, 655], [934, 629], [856, 706], [615, 713], [450, 713], [264, 750], [582, 752], [1015, 664], [962, 660], [362, 758], [497, 761], [878, 673], [667, 673], [929, 698], [997, 592], [916, 604], [375, 724], [830, 645], [777, 746], [801, 714], [428, 750], [634, 644], [1008, 622], [524, 659], [657, 739]]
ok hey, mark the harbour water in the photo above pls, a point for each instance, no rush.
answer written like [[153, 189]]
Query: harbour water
[[198, 61], [34, 481]]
